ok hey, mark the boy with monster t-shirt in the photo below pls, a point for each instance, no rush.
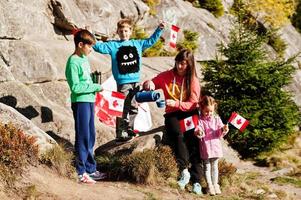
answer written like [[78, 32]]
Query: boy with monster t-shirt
[[126, 56]]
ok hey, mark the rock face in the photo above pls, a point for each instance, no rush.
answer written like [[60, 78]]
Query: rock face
[[34, 50]]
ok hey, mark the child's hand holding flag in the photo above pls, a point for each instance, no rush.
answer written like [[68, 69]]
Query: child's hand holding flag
[[225, 129]]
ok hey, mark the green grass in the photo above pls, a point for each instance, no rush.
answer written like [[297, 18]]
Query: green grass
[[288, 180]]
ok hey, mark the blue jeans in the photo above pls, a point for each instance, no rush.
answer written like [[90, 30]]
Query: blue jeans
[[83, 113]]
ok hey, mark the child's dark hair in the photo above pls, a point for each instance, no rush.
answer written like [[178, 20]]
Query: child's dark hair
[[186, 54], [207, 101], [124, 22], [85, 37]]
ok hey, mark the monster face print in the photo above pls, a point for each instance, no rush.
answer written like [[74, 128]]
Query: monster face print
[[127, 60]]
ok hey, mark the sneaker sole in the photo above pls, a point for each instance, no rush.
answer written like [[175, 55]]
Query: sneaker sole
[[102, 177]]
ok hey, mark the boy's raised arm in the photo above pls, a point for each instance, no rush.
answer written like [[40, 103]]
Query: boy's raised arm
[[102, 47], [154, 37]]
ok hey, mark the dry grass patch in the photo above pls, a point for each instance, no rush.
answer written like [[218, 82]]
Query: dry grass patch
[[147, 167], [59, 160]]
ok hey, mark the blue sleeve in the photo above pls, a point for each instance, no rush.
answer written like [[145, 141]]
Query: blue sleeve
[[152, 39], [102, 47]]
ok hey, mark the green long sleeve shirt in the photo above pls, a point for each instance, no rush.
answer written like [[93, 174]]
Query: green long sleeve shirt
[[79, 80]]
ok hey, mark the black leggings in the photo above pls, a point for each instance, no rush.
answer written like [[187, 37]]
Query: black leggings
[[185, 146]]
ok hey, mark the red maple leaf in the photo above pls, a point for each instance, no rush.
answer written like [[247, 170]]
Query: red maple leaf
[[115, 103], [238, 121], [188, 123]]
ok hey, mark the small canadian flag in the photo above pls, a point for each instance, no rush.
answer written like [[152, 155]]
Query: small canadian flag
[[173, 36], [238, 121], [188, 123], [116, 103]]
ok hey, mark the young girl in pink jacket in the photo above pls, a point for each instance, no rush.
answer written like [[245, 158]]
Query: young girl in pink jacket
[[210, 130]]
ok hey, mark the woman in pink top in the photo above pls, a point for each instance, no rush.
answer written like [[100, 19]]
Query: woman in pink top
[[181, 89], [210, 130]]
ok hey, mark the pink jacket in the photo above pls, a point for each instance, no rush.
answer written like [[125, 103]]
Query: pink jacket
[[210, 144]]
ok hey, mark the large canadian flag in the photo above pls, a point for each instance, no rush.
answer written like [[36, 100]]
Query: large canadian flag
[[173, 36], [116, 102], [102, 110], [188, 123], [113, 104], [238, 121], [109, 104]]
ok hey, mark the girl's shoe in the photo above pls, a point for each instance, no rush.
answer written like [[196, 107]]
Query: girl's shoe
[[85, 178], [197, 189], [217, 189], [211, 190], [184, 180]]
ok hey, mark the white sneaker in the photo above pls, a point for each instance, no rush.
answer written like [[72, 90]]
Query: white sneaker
[[211, 190], [85, 178], [217, 189], [184, 180]]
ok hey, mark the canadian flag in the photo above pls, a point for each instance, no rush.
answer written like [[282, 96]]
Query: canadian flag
[[188, 123], [173, 36], [116, 102], [102, 110], [109, 105], [238, 121]]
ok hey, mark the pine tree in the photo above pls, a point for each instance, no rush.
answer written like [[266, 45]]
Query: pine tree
[[252, 85]]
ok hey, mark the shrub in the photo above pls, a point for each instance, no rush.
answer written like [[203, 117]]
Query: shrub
[[275, 13], [277, 43], [296, 18], [17, 151], [147, 167], [252, 85], [226, 171], [140, 166], [245, 16], [156, 50], [60, 160], [190, 41], [138, 33], [214, 6], [152, 6], [194, 3]]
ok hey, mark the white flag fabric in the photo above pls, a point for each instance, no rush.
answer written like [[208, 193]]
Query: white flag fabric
[[173, 36], [238, 121]]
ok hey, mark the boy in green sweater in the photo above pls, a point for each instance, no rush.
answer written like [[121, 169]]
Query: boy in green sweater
[[82, 103]]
